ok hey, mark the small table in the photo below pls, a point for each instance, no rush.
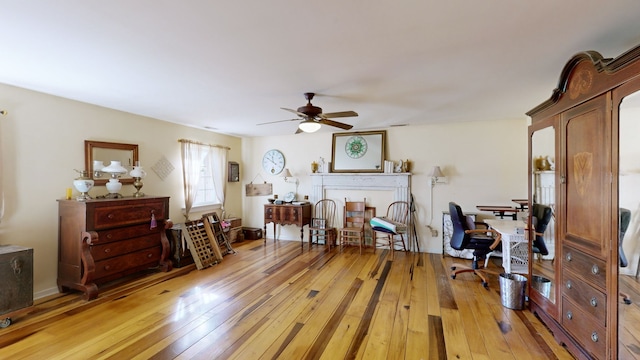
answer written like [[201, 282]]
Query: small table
[[523, 203], [500, 210], [287, 214], [515, 247]]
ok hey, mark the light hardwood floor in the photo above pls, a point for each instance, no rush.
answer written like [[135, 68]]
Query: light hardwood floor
[[276, 301]]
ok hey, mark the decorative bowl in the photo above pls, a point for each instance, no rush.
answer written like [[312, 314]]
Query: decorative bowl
[[271, 201]]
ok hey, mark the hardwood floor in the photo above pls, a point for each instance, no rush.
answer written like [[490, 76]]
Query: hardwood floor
[[278, 302]]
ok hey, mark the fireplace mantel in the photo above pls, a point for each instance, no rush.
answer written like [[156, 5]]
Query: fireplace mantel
[[399, 183]]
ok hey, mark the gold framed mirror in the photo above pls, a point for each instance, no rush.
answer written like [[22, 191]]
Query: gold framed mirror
[[96, 151]]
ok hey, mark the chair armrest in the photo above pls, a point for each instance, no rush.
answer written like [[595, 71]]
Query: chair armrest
[[497, 236]]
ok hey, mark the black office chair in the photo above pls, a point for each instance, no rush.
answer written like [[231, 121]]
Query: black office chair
[[541, 217], [467, 235], [625, 219]]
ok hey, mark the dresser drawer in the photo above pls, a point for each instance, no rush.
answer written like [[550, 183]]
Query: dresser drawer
[[584, 328], [123, 233], [590, 300], [105, 217], [122, 264], [116, 248], [591, 269]]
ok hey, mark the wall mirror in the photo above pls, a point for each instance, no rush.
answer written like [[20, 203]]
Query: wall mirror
[[628, 222], [542, 209], [96, 151], [358, 151]]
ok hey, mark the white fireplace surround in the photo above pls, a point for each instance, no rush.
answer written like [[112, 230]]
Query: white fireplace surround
[[399, 183]]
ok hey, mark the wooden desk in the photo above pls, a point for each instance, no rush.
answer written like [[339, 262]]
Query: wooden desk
[[515, 247], [287, 214], [500, 210]]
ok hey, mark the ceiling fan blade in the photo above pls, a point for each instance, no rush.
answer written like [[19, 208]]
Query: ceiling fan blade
[[335, 123], [277, 121], [338, 114], [295, 112]]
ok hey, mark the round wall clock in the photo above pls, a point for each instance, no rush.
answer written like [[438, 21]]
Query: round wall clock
[[356, 147], [273, 162]]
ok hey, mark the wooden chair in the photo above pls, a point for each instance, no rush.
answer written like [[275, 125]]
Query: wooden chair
[[322, 223], [398, 214], [352, 231]]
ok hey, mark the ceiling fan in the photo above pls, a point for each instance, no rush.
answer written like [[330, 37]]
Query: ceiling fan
[[313, 117]]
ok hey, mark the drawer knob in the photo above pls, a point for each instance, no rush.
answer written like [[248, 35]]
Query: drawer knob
[[594, 336], [107, 250], [594, 302], [107, 267], [595, 270], [109, 236], [568, 256], [569, 285], [110, 216], [569, 315], [149, 255]]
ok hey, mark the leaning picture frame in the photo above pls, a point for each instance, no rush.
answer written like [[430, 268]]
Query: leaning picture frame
[[361, 151]]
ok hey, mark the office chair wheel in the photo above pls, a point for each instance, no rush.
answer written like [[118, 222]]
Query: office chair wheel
[[485, 284], [453, 268], [627, 301], [453, 276]]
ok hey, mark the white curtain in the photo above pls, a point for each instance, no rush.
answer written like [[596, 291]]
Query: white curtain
[[218, 162], [193, 156]]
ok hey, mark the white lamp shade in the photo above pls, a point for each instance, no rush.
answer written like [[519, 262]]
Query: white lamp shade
[[436, 172], [138, 172], [115, 167], [286, 173], [98, 165], [309, 126]]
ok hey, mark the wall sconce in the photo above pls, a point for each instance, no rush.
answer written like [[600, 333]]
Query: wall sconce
[[309, 126], [437, 177], [114, 185], [286, 174]]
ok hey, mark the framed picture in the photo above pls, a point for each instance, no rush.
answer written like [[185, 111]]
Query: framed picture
[[358, 151], [233, 173]]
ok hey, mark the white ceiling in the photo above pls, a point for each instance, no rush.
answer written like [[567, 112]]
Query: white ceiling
[[229, 65]]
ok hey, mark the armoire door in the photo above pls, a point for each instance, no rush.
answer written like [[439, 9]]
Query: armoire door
[[587, 176]]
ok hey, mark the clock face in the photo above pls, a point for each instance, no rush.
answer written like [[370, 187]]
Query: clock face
[[356, 147], [273, 162]]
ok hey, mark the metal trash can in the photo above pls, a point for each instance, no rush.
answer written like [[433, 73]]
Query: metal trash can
[[542, 285], [512, 289]]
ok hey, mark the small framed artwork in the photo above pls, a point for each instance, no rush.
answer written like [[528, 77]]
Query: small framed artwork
[[233, 173]]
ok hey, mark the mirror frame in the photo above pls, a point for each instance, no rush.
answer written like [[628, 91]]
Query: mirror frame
[[345, 164], [90, 146]]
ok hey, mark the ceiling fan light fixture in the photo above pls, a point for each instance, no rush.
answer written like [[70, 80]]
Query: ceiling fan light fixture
[[309, 126]]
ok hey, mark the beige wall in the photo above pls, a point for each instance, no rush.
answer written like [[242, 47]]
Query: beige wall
[[485, 162], [43, 137], [42, 140]]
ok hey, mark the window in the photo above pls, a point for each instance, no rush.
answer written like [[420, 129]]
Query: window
[[206, 193], [204, 172]]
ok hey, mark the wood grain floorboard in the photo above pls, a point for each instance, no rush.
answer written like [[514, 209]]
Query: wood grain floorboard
[[278, 301]]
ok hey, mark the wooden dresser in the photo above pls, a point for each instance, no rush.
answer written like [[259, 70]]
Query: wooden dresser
[[104, 240], [287, 214]]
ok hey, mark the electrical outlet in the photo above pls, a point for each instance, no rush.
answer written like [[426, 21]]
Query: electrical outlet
[[434, 232]]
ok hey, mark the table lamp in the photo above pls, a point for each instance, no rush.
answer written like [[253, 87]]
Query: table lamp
[[137, 174], [114, 185]]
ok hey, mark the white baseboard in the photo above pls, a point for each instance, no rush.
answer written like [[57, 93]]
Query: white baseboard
[[45, 293]]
